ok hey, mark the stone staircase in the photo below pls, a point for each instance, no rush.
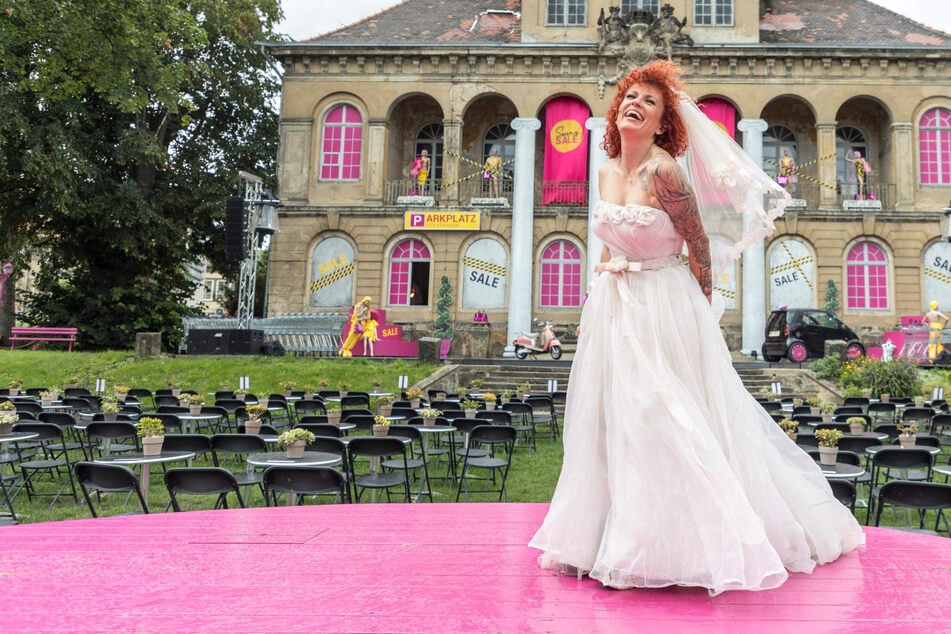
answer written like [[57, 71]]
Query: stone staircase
[[507, 374]]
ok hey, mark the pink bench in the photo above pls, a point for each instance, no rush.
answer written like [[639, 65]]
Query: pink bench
[[38, 333]]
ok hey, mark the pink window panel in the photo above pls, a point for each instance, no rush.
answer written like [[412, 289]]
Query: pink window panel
[[560, 276], [401, 266], [342, 145], [867, 278], [934, 147]]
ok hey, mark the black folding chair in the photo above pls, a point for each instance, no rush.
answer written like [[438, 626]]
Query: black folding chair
[[202, 481], [300, 482], [108, 478]]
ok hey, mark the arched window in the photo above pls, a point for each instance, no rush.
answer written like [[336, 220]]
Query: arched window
[[934, 147], [560, 276], [430, 138], [848, 140], [777, 139], [342, 146], [409, 274], [867, 277]]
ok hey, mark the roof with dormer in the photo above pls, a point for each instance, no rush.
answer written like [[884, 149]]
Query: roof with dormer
[[820, 23]]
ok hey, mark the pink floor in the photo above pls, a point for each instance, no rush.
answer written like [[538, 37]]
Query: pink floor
[[416, 568]]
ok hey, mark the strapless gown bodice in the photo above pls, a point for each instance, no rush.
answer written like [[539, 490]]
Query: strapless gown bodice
[[638, 232]]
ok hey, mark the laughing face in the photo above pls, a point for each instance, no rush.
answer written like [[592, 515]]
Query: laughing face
[[641, 109]]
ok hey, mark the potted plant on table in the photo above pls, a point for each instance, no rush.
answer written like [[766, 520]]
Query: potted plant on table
[[15, 386], [906, 434], [240, 394], [814, 403], [254, 411], [343, 387], [151, 431], [470, 407], [308, 392], [384, 405], [791, 427], [826, 409], [288, 387], [413, 395], [110, 408], [121, 391], [381, 425], [333, 412], [523, 390], [174, 386], [195, 403], [294, 441], [429, 415], [489, 399], [8, 417], [828, 440], [506, 396], [856, 425], [48, 396]]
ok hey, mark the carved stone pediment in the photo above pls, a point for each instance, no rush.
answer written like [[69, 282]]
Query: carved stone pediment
[[638, 38]]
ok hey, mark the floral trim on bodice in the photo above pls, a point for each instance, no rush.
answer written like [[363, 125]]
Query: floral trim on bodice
[[618, 214]]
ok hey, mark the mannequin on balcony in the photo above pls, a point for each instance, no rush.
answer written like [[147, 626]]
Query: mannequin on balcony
[[860, 169], [492, 170], [420, 173]]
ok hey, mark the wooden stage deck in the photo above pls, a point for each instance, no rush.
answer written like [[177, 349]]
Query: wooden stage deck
[[416, 568]]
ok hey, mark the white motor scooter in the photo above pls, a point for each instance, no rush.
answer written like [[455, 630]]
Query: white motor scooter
[[527, 344]]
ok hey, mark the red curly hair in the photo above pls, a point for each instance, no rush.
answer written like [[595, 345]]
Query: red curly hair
[[665, 76]]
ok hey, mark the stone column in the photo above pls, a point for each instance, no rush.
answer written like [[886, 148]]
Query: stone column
[[903, 169], [754, 257], [825, 140], [523, 227], [452, 146], [596, 158], [376, 154]]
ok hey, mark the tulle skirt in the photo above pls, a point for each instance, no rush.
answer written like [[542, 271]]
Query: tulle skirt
[[673, 474]]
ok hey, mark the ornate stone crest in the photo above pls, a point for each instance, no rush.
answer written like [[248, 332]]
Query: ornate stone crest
[[638, 38]]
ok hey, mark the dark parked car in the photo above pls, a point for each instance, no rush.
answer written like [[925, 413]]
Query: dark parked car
[[801, 333]]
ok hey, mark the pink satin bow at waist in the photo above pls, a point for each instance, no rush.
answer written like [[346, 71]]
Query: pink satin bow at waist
[[620, 264]]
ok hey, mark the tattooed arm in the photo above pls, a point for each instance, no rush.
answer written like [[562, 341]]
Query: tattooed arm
[[677, 199]]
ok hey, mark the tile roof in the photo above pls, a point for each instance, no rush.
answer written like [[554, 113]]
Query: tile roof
[[847, 23], [449, 21]]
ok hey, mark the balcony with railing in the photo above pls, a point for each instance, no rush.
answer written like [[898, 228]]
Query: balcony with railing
[[547, 193]]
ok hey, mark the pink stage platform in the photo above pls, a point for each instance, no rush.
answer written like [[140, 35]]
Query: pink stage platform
[[416, 568]]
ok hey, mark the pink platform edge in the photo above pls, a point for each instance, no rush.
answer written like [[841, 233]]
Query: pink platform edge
[[416, 568]]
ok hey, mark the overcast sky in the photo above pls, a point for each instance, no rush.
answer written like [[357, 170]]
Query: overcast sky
[[308, 18]]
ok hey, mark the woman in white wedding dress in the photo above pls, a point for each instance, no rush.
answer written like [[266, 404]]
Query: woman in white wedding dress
[[673, 474]]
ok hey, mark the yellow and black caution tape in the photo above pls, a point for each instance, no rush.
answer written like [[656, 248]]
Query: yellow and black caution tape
[[478, 174], [486, 267], [330, 278], [796, 171], [938, 275]]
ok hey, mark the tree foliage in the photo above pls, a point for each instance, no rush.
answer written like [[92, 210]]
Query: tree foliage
[[123, 125]]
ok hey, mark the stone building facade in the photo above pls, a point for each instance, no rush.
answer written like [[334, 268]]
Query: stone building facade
[[463, 78]]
